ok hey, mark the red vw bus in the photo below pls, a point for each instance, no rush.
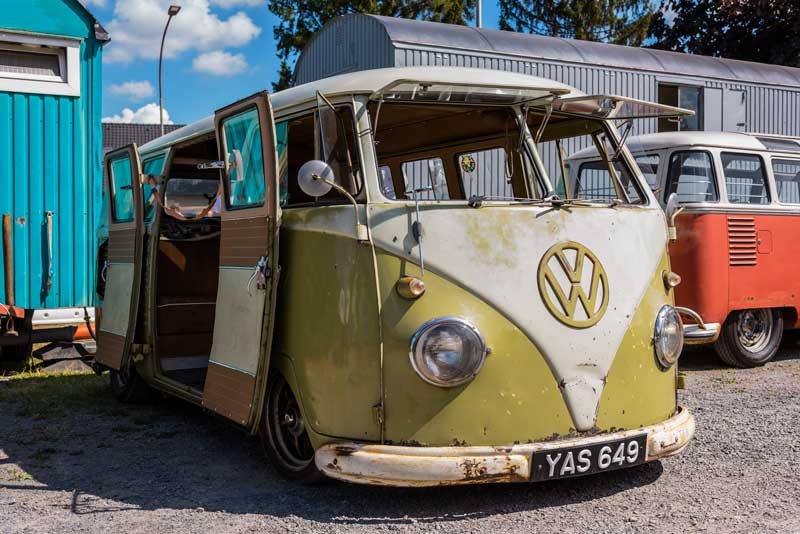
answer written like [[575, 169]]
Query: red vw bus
[[736, 212]]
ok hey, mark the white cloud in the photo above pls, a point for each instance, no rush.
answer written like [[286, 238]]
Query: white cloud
[[98, 3], [133, 90], [138, 24], [236, 3], [219, 63], [147, 114]]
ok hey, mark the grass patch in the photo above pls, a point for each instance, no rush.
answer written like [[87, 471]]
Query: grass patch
[[18, 475], [42, 396], [725, 379]]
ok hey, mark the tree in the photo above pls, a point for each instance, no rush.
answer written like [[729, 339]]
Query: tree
[[299, 20], [622, 22], [755, 30]]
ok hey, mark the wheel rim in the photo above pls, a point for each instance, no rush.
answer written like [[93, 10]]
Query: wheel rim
[[287, 429], [754, 329]]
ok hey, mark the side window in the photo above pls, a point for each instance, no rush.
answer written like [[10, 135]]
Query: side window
[[245, 158], [423, 174], [153, 167], [305, 138], [691, 176], [787, 180], [745, 178], [189, 195], [485, 173], [123, 209], [648, 164]]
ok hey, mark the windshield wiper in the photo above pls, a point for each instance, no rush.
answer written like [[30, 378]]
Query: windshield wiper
[[476, 201]]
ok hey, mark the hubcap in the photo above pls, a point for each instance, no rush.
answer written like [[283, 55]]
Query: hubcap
[[287, 429], [754, 329]]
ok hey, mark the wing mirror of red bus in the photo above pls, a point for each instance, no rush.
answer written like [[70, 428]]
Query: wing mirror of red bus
[[672, 210]]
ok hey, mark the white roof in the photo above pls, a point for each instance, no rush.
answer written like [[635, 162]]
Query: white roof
[[660, 141], [370, 81]]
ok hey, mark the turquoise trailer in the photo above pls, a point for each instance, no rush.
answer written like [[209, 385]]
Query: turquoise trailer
[[51, 152]]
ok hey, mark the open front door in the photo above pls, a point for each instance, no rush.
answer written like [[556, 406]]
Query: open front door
[[248, 253], [124, 268]]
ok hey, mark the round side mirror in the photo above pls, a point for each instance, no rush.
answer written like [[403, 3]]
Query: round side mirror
[[311, 178]]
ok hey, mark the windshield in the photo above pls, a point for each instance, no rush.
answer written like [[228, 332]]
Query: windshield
[[452, 152]]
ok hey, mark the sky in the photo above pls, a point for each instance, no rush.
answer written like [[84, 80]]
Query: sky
[[216, 52]]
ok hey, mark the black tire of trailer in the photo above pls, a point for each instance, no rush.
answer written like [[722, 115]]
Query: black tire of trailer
[[273, 437], [732, 351], [127, 386]]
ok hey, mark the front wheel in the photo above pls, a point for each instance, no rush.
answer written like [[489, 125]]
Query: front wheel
[[128, 386], [750, 338], [284, 436]]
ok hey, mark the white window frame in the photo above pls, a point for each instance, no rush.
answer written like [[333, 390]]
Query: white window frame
[[68, 52]]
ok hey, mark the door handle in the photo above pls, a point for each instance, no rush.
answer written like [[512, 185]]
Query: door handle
[[261, 272]]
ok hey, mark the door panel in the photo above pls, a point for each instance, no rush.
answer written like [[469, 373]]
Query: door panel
[[125, 231], [245, 299]]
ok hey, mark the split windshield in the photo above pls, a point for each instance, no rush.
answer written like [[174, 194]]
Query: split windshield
[[437, 150]]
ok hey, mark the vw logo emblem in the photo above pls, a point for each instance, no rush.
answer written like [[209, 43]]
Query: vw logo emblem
[[569, 275]]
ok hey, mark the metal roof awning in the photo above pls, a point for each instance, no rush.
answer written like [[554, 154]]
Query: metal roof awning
[[456, 93]]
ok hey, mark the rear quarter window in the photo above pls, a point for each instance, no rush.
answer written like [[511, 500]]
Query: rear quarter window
[[691, 177]]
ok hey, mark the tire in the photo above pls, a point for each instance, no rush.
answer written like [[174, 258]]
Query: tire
[[128, 386], [283, 434], [750, 338]]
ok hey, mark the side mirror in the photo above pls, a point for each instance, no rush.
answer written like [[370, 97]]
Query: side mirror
[[672, 210], [315, 177]]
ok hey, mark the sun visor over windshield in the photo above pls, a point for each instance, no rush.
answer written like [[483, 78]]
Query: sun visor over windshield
[[615, 107], [449, 93]]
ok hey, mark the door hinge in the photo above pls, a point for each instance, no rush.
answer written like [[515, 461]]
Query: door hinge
[[377, 413]]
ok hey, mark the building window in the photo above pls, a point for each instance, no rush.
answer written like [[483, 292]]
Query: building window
[[682, 96], [39, 65]]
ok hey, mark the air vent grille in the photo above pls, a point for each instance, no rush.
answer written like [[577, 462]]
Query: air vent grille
[[742, 241]]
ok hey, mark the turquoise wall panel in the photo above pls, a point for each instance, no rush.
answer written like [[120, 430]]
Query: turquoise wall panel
[[51, 160]]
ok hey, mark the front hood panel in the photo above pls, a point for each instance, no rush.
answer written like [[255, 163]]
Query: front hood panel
[[496, 252]]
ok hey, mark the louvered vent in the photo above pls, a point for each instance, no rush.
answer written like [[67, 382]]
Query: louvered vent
[[742, 241]]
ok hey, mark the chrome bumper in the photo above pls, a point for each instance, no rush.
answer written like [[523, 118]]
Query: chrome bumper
[[699, 332], [390, 465]]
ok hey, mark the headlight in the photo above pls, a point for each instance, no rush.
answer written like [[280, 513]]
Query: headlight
[[668, 336], [447, 352]]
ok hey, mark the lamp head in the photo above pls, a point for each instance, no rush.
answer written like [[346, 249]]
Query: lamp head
[[173, 10]]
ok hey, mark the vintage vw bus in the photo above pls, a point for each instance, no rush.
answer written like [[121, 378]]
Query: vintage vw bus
[[389, 291], [736, 203]]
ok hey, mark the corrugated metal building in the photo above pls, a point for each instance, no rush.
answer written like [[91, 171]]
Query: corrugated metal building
[[727, 94], [51, 148]]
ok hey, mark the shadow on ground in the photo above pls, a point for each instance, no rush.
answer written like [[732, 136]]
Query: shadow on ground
[[68, 434], [703, 357]]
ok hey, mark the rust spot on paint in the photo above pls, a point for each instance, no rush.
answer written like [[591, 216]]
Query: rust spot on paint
[[344, 451]]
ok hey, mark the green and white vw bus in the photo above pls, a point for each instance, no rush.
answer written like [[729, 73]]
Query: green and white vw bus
[[374, 273]]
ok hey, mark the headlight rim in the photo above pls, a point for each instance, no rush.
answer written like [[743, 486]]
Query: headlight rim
[[436, 322], [665, 362]]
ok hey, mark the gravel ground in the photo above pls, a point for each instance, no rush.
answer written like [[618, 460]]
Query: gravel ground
[[73, 460]]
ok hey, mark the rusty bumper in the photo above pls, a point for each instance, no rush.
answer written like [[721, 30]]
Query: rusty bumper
[[390, 465]]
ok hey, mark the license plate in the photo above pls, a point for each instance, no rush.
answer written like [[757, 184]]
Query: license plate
[[576, 461]]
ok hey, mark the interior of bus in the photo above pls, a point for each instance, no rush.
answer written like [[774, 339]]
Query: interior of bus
[[187, 262]]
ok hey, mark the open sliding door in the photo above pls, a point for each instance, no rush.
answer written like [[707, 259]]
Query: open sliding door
[[248, 253], [124, 268]]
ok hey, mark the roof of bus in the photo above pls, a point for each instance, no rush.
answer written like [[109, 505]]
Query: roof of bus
[[370, 81], [735, 140]]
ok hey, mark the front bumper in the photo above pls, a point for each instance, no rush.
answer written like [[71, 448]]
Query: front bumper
[[390, 465], [699, 332]]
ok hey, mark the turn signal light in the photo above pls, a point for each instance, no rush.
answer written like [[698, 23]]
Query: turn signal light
[[671, 279], [409, 287]]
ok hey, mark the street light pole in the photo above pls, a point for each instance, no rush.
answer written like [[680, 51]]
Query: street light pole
[[172, 11]]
